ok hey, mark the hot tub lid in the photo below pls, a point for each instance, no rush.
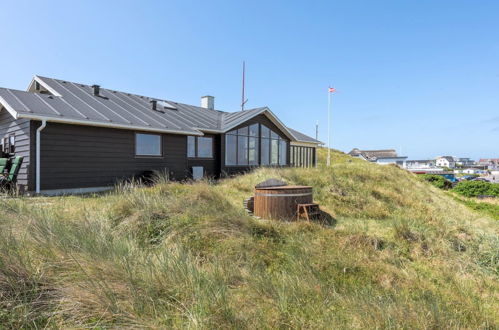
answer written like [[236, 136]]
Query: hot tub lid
[[284, 188]]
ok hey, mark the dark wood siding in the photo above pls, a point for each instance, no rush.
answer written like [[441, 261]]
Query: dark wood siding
[[260, 119], [75, 156], [20, 128], [211, 166]]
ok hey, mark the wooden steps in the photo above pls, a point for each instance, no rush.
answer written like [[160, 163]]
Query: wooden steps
[[308, 211]]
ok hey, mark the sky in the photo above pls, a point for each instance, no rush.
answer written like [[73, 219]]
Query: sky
[[418, 76]]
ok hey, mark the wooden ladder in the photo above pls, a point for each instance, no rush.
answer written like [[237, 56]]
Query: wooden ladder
[[308, 211]]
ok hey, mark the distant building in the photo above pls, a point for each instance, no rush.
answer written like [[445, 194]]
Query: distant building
[[473, 171], [490, 163], [464, 162], [445, 161], [383, 157], [420, 164]]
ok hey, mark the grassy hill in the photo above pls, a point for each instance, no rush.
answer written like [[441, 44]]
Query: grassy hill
[[399, 254]]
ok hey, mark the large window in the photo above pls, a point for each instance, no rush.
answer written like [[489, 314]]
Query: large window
[[147, 145], [200, 147], [302, 156], [255, 145]]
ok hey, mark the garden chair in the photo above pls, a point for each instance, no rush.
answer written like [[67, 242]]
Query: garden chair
[[8, 182]]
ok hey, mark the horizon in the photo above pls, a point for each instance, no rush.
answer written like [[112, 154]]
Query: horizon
[[421, 78]]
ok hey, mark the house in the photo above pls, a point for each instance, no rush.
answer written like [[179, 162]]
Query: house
[[76, 138], [490, 163], [445, 161], [464, 162], [473, 171], [420, 164], [383, 157]]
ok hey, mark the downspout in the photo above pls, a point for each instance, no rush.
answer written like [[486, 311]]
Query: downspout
[[38, 131]]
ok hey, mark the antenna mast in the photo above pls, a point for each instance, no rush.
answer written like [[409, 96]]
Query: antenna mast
[[243, 101]]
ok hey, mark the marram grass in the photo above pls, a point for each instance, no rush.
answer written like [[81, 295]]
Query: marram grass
[[399, 254]]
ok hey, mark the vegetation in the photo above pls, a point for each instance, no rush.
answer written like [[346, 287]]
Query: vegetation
[[437, 181], [401, 254], [477, 188], [487, 206]]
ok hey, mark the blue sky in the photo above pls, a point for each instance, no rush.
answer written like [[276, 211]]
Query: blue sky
[[421, 76]]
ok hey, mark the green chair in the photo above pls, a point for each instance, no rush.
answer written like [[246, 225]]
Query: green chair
[[3, 164], [9, 181]]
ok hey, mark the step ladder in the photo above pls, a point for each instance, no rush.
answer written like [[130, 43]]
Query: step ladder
[[308, 211], [249, 205]]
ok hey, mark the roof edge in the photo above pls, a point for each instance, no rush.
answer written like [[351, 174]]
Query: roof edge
[[108, 125], [9, 109], [271, 116]]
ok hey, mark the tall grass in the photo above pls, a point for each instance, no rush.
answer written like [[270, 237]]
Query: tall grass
[[401, 254]]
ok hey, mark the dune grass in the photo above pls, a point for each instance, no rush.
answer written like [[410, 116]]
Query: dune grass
[[400, 254]]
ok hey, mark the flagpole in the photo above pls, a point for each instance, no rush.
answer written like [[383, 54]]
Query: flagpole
[[329, 128]]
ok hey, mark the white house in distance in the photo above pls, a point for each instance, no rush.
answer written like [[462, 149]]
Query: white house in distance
[[383, 157], [446, 161], [420, 164]]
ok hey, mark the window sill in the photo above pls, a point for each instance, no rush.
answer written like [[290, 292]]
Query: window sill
[[148, 156], [200, 158]]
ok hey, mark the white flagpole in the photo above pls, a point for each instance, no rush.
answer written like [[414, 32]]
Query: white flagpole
[[329, 128]]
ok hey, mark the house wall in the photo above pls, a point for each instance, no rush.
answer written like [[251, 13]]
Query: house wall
[[230, 169], [211, 166], [75, 156], [20, 128]]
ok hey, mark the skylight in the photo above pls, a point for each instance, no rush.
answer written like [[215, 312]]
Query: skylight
[[167, 105]]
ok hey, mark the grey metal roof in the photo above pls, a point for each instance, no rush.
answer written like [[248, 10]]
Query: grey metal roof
[[300, 137], [75, 103]]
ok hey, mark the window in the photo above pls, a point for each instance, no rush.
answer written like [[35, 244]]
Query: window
[[253, 150], [147, 144], [205, 147], [253, 145], [274, 151], [191, 146], [283, 152], [199, 146], [301, 156], [231, 149]]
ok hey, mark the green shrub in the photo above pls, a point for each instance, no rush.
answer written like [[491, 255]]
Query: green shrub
[[437, 180], [476, 188]]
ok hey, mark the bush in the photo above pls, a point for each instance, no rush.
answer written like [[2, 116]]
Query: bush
[[477, 188], [437, 180]]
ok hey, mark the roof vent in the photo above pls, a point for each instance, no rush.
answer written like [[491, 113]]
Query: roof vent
[[96, 89], [167, 105], [208, 102], [153, 104]]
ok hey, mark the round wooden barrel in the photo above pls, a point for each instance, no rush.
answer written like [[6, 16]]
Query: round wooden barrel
[[280, 203]]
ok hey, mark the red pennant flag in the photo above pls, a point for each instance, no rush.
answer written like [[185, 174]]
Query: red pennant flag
[[332, 89]]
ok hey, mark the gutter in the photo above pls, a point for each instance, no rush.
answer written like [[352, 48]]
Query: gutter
[[108, 125], [38, 149]]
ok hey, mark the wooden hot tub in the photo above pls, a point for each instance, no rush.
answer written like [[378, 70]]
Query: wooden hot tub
[[280, 203]]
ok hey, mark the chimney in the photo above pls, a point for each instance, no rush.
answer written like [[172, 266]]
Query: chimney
[[153, 104], [208, 102], [96, 89]]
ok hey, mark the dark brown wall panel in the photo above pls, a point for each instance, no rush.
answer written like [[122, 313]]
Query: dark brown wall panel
[[82, 156]]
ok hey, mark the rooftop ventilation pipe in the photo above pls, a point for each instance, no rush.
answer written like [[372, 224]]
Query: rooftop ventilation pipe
[[96, 89], [154, 104], [208, 102]]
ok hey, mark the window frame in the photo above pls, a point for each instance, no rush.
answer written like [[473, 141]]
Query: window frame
[[196, 147], [137, 155], [261, 139]]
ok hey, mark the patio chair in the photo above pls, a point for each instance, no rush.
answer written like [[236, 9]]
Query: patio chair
[[8, 182], [3, 164]]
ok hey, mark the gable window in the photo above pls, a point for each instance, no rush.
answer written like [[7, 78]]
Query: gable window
[[147, 144], [200, 147], [253, 145]]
